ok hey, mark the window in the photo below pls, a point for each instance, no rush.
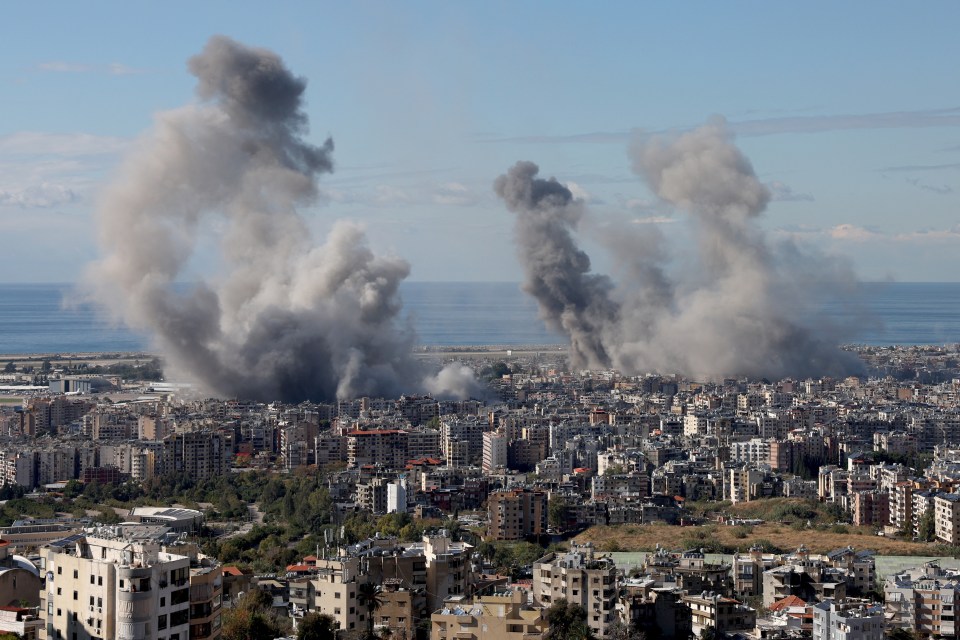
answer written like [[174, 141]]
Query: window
[[163, 601], [99, 581], [75, 595], [91, 579], [162, 622], [76, 574]]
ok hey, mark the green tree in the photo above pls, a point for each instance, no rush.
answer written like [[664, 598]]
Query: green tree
[[316, 626], [253, 618], [370, 596], [557, 513], [568, 621], [927, 527], [10, 368]]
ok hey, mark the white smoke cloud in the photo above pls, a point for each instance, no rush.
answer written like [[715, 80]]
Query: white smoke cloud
[[288, 320], [741, 307]]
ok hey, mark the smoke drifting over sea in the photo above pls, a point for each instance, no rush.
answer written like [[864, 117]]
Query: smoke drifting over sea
[[287, 320], [742, 307]]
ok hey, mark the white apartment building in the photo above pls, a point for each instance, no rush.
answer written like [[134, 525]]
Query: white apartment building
[[494, 451], [833, 620], [106, 586], [755, 450]]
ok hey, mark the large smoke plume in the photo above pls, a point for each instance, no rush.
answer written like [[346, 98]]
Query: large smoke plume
[[286, 320], [742, 307]]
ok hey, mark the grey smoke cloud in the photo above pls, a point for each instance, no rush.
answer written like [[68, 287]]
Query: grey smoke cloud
[[287, 319], [572, 300], [741, 307]]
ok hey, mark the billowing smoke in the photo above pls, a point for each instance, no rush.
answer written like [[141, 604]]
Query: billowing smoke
[[742, 307], [571, 299], [287, 320]]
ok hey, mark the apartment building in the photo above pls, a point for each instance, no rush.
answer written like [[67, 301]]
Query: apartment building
[[923, 601], [724, 615], [946, 512], [847, 620], [580, 577], [110, 586], [517, 514], [504, 615], [379, 447]]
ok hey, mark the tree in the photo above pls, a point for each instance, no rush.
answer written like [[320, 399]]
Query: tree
[[620, 631], [568, 621], [370, 596], [252, 618], [316, 626], [557, 513], [927, 527], [710, 633], [46, 367], [10, 368]]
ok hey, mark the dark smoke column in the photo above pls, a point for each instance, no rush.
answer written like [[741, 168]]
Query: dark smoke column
[[285, 319], [571, 299]]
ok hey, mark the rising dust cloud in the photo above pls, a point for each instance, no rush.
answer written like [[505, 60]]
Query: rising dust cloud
[[288, 319], [742, 307]]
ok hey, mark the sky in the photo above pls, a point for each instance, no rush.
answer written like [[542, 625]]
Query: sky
[[849, 112]]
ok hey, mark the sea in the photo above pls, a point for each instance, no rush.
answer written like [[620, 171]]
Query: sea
[[45, 318]]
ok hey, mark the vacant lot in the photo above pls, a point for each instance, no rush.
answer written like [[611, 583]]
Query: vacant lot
[[723, 539]]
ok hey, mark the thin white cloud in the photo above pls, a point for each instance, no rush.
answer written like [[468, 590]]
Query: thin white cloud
[[853, 233], [42, 196], [455, 194], [917, 119], [40, 170], [931, 235], [36, 143], [120, 69], [784, 193], [62, 66], [386, 196]]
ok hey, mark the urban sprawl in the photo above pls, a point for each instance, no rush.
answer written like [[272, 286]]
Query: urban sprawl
[[563, 504]]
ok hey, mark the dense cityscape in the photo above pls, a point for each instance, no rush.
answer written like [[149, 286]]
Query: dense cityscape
[[478, 321], [559, 503]]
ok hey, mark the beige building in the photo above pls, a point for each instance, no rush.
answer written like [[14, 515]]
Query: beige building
[[579, 577], [381, 447], [946, 511], [725, 615], [517, 514], [206, 599], [501, 616], [110, 587]]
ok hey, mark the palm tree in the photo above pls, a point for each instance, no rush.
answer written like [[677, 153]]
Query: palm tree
[[370, 595]]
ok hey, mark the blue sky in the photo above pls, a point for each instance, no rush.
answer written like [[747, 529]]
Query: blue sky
[[849, 111]]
